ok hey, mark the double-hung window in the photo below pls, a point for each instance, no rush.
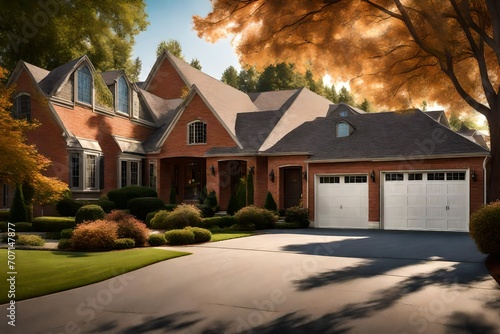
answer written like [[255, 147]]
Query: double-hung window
[[130, 172], [84, 170]]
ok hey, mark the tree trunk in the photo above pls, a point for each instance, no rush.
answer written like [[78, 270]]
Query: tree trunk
[[493, 183]]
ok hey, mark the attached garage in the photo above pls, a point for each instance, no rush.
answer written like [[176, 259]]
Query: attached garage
[[426, 200], [342, 201]]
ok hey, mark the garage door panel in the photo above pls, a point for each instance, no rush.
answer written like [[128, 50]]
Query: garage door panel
[[427, 203]]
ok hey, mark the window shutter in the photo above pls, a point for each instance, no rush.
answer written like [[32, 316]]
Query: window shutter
[[101, 172]]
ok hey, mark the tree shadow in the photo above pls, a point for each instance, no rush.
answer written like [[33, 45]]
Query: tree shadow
[[460, 322]]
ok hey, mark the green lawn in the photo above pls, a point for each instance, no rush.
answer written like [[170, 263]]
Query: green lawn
[[44, 272], [220, 236]]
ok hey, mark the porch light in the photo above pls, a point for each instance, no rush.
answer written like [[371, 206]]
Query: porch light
[[372, 175], [304, 174], [473, 175], [212, 170], [252, 170], [271, 175]]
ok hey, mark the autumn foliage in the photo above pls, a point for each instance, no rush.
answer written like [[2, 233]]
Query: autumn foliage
[[21, 162]]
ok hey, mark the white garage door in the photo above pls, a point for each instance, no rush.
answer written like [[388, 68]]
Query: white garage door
[[436, 201], [342, 201]]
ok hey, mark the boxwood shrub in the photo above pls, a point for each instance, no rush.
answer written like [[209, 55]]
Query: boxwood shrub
[[220, 221], [182, 216], [64, 244], [159, 220], [179, 237], [484, 228], [121, 196], [23, 227], [133, 229], [200, 234], [261, 218], [95, 235], [4, 215], [89, 212], [141, 206], [30, 240], [67, 233], [52, 224], [124, 243], [297, 215], [157, 239]]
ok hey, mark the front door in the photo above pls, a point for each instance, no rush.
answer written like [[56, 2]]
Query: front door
[[292, 186]]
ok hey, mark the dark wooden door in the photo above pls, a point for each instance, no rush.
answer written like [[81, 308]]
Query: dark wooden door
[[292, 186]]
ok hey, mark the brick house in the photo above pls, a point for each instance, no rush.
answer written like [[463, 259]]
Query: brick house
[[185, 130]]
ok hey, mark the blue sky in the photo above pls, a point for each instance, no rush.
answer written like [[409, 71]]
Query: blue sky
[[172, 19]]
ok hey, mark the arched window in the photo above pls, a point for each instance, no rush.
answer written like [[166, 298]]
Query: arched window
[[343, 129], [197, 132], [84, 85], [123, 95], [22, 107]]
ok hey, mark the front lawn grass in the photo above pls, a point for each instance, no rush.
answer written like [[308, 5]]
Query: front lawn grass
[[221, 236], [43, 272]]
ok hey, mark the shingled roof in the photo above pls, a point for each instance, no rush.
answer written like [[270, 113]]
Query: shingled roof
[[389, 135]]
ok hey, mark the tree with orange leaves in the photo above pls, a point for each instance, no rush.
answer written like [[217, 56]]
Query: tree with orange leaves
[[400, 52], [21, 163]]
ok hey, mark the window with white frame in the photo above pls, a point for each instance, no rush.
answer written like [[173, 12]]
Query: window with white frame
[[21, 109], [197, 132], [84, 170], [123, 96], [84, 85], [152, 174], [130, 172]]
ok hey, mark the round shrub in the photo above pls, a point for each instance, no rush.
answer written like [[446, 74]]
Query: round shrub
[[118, 215], [182, 216], [206, 211], [179, 237], [200, 234], [96, 235], [121, 196], [64, 244], [157, 239], [106, 205], [261, 218], [89, 212], [124, 243], [30, 240], [150, 216], [141, 206], [68, 207], [67, 233], [484, 228], [159, 220], [297, 215], [133, 229]]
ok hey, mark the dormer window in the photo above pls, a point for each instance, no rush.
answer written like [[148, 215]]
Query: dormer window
[[343, 113], [22, 107], [84, 85], [197, 132], [123, 96], [343, 129]]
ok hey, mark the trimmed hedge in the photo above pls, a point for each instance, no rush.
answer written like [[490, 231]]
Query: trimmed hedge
[[30, 240], [53, 224], [182, 216], [96, 235], [141, 206], [179, 237], [484, 228], [261, 218], [121, 196], [23, 227], [68, 207], [157, 239], [287, 225], [89, 212], [124, 243], [159, 220], [297, 215], [4, 215], [200, 234], [220, 221], [67, 233], [64, 244]]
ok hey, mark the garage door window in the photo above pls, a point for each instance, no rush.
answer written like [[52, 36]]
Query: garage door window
[[415, 177], [435, 176], [394, 177], [329, 179], [455, 176], [355, 179]]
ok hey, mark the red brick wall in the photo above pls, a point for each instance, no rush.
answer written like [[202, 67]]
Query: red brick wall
[[217, 136], [166, 82], [476, 188]]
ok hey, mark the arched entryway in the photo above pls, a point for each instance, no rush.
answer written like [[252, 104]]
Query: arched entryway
[[230, 174]]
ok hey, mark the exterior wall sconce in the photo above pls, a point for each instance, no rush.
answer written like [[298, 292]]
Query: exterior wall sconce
[[372, 175], [304, 174], [271, 175], [473, 175], [212, 170], [252, 170]]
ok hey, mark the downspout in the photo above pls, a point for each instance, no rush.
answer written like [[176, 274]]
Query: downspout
[[485, 183]]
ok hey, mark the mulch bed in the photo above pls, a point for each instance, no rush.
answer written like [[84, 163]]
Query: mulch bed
[[493, 265]]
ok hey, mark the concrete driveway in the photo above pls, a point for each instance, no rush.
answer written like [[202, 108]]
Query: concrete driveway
[[314, 281]]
